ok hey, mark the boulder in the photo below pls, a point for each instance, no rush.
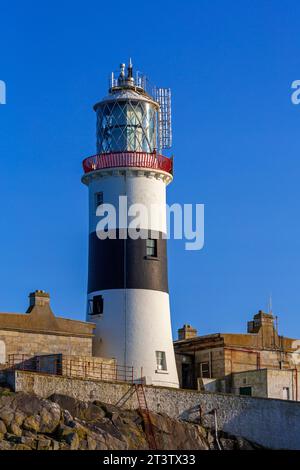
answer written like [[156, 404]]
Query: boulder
[[91, 443], [29, 411], [15, 429], [21, 447], [3, 428], [77, 408], [227, 444], [173, 434], [6, 445], [43, 444], [73, 440], [32, 423], [28, 441]]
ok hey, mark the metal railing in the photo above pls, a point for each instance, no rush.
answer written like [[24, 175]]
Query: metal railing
[[153, 161], [70, 366]]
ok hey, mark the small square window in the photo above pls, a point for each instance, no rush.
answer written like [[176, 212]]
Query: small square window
[[161, 362], [96, 305], [204, 370], [98, 199], [151, 247], [246, 391]]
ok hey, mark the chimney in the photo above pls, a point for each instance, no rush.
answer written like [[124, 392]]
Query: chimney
[[260, 320], [186, 332], [38, 298]]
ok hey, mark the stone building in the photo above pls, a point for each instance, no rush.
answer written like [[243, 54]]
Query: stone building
[[219, 362], [266, 383], [39, 331]]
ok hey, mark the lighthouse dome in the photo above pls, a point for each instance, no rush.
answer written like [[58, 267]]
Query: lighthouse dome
[[126, 118], [126, 94]]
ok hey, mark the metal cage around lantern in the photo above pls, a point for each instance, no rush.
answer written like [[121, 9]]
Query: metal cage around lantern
[[132, 118]]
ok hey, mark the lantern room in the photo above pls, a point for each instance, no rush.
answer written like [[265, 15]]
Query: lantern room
[[129, 119]]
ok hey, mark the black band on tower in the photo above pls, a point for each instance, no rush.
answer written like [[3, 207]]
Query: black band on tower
[[108, 258]]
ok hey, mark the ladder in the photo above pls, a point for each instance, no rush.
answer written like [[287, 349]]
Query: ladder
[[143, 410]]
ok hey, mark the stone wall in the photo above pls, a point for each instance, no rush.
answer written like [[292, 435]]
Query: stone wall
[[256, 379], [18, 342], [280, 379], [80, 367], [269, 383], [269, 422]]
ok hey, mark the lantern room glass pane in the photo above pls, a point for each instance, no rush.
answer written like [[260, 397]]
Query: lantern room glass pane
[[126, 126]]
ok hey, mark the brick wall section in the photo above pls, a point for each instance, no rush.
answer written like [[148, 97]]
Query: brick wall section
[[39, 331], [269, 422], [18, 342]]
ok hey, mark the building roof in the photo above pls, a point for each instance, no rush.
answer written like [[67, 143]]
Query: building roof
[[262, 334], [39, 318]]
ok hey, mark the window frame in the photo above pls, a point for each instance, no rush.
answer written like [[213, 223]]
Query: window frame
[[162, 365], [153, 248], [92, 303], [206, 371]]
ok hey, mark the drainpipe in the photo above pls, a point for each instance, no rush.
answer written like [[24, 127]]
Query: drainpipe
[[295, 388], [210, 362]]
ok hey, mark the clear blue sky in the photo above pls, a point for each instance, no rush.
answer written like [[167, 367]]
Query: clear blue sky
[[230, 65]]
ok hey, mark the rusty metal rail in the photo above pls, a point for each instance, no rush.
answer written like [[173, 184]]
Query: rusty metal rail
[[72, 366], [138, 388]]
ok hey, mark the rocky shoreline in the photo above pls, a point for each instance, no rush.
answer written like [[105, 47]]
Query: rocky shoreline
[[28, 422]]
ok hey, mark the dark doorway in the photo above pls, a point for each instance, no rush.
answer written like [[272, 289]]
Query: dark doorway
[[188, 376], [246, 391]]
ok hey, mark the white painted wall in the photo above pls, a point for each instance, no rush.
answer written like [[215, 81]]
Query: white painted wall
[[139, 187], [132, 335], [280, 379], [135, 322]]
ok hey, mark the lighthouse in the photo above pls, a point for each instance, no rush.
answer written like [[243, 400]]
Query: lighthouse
[[128, 295]]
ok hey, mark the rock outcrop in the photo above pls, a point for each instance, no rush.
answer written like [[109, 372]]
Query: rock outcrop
[[28, 422]]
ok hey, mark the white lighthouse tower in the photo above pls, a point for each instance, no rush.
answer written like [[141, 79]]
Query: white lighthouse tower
[[128, 296]]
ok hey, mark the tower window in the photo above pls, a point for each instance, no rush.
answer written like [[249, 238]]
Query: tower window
[[161, 362], [96, 305], [98, 199], [151, 247]]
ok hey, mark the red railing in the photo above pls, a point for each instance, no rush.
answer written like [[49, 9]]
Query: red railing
[[153, 161]]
